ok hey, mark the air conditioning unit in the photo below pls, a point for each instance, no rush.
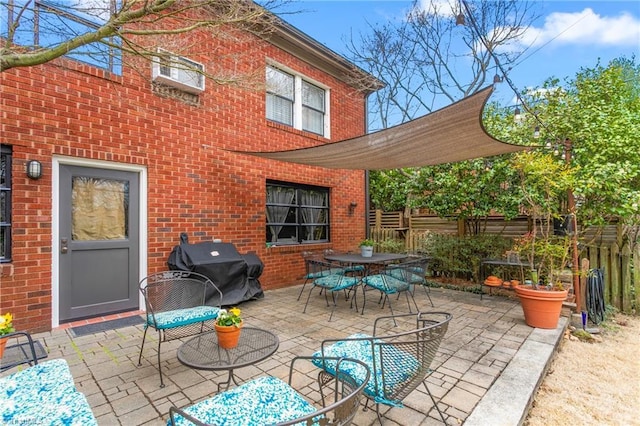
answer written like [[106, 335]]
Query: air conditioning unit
[[178, 72]]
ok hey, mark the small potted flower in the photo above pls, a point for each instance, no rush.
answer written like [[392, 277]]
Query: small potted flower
[[228, 325], [6, 327], [366, 247]]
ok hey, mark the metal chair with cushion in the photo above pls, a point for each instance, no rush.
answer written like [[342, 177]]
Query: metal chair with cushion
[[399, 360], [393, 279], [271, 401], [331, 278], [175, 306], [414, 271]]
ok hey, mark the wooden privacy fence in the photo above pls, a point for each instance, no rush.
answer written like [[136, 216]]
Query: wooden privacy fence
[[620, 264], [621, 270]]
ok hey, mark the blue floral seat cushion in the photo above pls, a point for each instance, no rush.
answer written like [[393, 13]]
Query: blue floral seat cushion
[[416, 274], [386, 283], [399, 366], [263, 401], [43, 394], [336, 282], [180, 317], [354, 268], [323, 273]]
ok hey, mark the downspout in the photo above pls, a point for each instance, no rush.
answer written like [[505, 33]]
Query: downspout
[[366, 172]]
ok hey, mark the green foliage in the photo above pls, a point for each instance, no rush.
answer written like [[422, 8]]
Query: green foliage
[[390, 190], [596, 116], [461, 257], [367, 242], [594, 119], [392, 246], [471, 190]]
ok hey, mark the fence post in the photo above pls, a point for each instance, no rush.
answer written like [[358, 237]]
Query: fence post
[[616, 293], [626, 278]]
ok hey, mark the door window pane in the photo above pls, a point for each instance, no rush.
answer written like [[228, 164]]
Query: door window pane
[[99, 209]]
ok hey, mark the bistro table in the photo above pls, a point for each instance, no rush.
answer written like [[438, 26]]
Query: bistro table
[[376, 259], [202, 352], [513, 264]]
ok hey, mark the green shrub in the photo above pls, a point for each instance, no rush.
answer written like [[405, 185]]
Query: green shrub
[[457, 257]]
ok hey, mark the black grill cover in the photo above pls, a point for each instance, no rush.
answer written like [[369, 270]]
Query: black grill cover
[[234, 274]]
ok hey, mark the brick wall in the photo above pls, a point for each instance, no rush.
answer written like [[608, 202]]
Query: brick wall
[[194, 184]]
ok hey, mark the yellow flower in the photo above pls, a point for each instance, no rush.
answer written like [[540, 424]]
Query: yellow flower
[[6, 324], [229, 317]]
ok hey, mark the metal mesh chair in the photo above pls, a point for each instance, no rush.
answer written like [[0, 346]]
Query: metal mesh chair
[[331, 278], [393, 279], [414, 271], [175, 305], [271, 401], [399, 360]]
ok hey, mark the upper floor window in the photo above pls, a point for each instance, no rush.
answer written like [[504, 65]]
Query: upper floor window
[[296, 102], [297, 214], [5, 203]]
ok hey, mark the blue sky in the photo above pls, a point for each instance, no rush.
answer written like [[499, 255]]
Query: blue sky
[[568, 36]]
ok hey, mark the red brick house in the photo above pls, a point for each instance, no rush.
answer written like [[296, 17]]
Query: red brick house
[[129, 161]]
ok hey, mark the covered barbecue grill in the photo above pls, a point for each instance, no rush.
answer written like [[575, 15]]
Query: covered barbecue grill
[[235, 274]]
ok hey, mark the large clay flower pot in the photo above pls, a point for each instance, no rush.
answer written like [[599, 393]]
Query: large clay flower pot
[[541, 307], [228, 336], [3, 344]]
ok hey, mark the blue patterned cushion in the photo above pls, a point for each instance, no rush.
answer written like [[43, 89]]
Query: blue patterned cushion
[[263, 401], [323, 273], [399, 366], [386, 283], [43, 394], [415, 273], [336, 282], [186, 316]]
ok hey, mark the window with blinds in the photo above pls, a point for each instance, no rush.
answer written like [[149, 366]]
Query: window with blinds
[[294, 101]]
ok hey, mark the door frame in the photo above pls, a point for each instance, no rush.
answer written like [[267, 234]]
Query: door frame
[[57, 161]]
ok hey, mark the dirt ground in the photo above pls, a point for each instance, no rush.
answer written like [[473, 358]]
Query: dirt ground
[[593, 383]]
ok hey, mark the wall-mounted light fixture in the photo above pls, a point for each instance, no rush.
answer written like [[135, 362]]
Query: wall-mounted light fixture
[[352, 207], [34, 169]]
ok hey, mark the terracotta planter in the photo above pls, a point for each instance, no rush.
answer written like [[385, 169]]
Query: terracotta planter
[[541, 307], [3, 344], [228, 336]]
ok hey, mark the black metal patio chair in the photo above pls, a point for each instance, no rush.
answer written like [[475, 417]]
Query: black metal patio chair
[[175, 306], [271, 401], [399, 354]]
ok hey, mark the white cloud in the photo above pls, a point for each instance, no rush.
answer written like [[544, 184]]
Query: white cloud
[[585, 28], [446, 8]]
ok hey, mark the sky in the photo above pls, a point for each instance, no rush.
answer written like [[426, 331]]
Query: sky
[[568, 36]]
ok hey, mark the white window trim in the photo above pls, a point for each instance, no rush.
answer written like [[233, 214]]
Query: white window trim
[[297, 103]]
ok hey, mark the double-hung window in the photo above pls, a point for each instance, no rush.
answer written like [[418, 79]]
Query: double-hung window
[[297, 102], [297, 214], [5, 203]]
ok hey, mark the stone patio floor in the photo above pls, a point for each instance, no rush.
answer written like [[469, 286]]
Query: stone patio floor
[[486, 370]]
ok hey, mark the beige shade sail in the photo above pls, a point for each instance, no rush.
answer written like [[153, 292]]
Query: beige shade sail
[[451, 134]]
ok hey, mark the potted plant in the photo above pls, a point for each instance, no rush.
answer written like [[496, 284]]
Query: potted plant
[[366, 247], [228, 325], [6, 327], [543, 183]]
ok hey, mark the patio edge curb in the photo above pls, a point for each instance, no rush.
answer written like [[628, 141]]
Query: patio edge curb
[[508, 400]]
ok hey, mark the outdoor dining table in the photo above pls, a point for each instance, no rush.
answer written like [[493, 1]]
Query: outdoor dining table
[[375, 260]]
